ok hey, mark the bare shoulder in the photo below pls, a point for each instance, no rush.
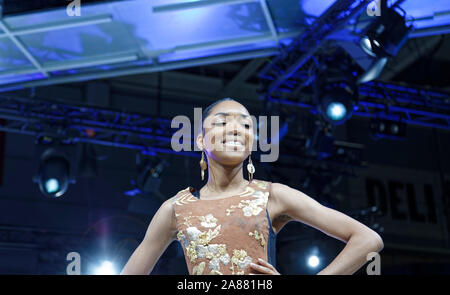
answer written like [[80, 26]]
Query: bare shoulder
[[286, 198], [167, 209], [278, 205], [168, 205], [278, 191], [171, 201]]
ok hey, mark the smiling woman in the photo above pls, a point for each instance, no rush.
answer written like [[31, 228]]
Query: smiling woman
[[229, 226]]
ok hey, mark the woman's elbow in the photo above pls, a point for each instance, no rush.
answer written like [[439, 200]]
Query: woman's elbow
[[376, 242], [369, 238], [381, 243]]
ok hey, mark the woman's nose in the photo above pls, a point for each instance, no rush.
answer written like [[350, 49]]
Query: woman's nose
[[234, 128]]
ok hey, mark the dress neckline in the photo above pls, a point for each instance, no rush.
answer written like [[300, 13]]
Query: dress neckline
[[217, 199]]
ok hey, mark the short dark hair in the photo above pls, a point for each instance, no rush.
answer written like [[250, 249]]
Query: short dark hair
[[207, 110]]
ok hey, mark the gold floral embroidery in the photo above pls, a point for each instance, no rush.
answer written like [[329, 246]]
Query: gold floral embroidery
[[222, 250], [260, 184], [187, 221], [216, 253], [199, 238], [213, 251], [259, 236], [210, 258], [235, 273], [190, 251], [182, 238], [248, 191], [198, 269], [241, 260], [205, 237], [208, 220], [254, 206], [184, 198]]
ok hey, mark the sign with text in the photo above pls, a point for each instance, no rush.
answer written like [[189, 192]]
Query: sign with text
[[410, 201]]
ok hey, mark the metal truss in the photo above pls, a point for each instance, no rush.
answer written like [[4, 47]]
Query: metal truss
[[72, 124], [283, 67], [411, 105], [150, 135]]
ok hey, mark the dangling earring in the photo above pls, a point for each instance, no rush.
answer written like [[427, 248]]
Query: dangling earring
[[203, 166], [250, 168]]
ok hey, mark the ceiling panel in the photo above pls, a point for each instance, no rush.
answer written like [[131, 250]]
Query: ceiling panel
[[206, 24], [11, 57], [141, 34], [64, 45]]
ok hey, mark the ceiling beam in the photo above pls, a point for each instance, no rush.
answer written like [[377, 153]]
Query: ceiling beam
[[248, 71], [22, 48], [141, 70]]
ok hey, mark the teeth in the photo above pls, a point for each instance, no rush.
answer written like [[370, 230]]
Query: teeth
[[233, 143]]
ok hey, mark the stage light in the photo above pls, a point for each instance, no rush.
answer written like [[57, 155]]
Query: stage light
[[386, 34], [373, 71], [336, 94], [313, 261], [337, 107], [387, 129], [106, 268], [381, 39], [53, 175], [52, 185], [336, 111], [394, 129]]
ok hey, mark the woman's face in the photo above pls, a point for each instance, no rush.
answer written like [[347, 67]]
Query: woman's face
[[228, 137]]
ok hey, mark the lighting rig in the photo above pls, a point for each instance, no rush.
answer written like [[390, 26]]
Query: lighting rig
[[288, 73]]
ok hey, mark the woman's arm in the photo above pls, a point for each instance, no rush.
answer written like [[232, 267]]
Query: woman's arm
[[160, 233], [359, 238]]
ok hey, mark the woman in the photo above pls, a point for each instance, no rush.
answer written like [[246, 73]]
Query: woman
[[229, 225]]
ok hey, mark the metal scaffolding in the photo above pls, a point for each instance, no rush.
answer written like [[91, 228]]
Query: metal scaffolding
[[407, 104]]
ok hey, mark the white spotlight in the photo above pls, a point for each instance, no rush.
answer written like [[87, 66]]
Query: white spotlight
[[106, 268], [313, 261]]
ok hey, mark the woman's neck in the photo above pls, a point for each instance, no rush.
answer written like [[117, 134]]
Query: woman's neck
[[224, 178]]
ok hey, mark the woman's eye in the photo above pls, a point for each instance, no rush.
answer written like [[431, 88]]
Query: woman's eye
[[220, 123], [247, 126]]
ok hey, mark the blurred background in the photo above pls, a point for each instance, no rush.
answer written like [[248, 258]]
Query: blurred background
[[88, 90]]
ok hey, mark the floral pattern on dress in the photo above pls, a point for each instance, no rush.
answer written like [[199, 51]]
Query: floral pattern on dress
[[240, 259], [251, 207], [196, 232]]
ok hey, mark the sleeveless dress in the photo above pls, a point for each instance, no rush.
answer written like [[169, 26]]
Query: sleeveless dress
[[222, 236]]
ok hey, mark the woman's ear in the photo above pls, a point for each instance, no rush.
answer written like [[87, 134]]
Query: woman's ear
[[199, 141]]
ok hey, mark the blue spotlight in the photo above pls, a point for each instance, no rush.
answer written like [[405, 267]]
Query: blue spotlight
[[54, 173], [336, 106], [52, 185], [336, 111], [336, 94]]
